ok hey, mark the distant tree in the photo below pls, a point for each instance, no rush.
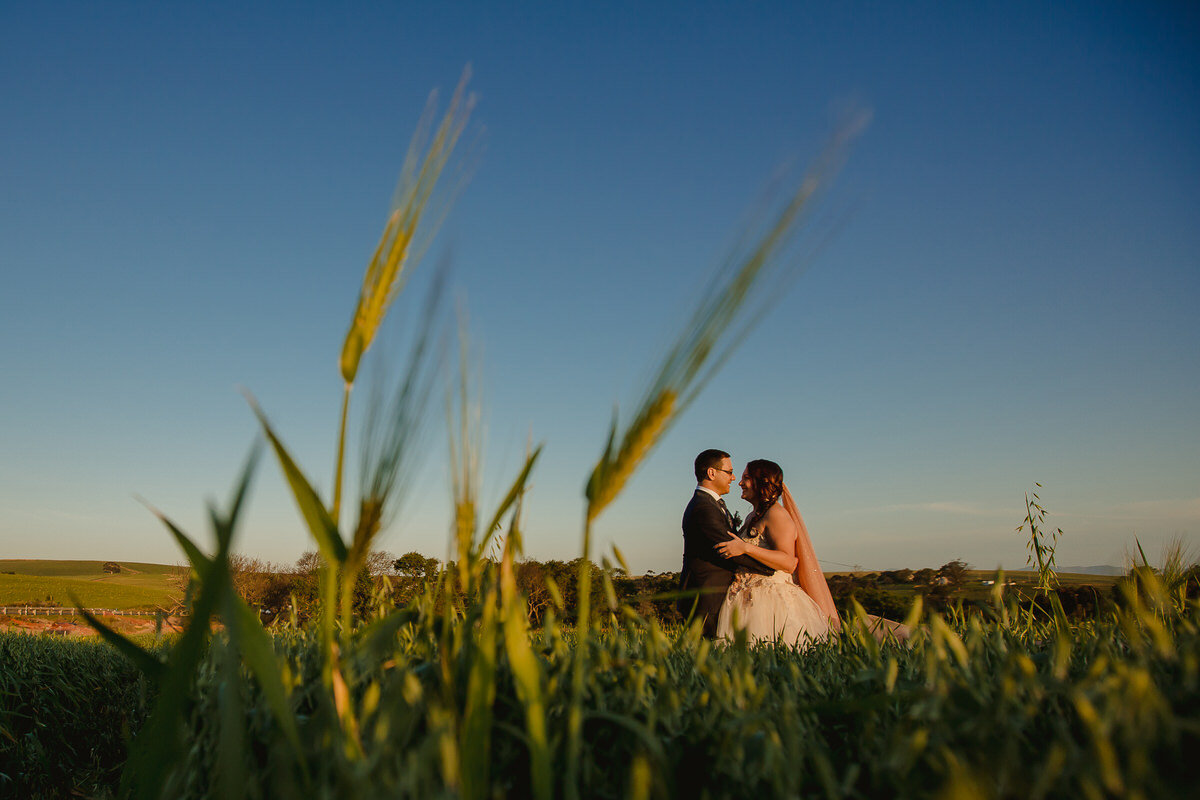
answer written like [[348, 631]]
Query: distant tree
[[111, 567], [924, 577], [865, 590], [896, 576], [569, 584], [645, 594], [531, 580], [251, 577], [415, 565], [380, 562], [308, 562], [301, 589], [954, 572]]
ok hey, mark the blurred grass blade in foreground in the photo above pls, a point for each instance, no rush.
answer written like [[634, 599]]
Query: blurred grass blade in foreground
[[756, 274], [385, 274]]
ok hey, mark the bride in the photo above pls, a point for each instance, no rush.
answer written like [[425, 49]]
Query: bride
[[792, 604]]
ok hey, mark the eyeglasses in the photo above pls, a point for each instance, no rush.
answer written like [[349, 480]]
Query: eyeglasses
[[728, 472]]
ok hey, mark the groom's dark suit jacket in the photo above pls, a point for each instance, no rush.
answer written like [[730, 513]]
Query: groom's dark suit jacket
[[705, 525]]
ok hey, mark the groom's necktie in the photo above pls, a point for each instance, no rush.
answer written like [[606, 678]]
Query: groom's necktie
[[725, 508]]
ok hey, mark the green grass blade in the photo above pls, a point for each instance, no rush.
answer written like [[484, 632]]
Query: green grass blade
[[149, 664], [475, 749], [158, 747], [372, 642], [231, 741], [1145, 561], [600, 472], [241, 489], [621, 559], [315, 515], [528, 677], [254, 644], [196, 558], [514, 492], [527, 673]]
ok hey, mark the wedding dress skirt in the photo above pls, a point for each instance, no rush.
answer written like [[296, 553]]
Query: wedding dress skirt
[[770, 607]]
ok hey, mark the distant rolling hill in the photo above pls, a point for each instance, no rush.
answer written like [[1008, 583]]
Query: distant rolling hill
[[38, 581], [53, 568], [1101, 569]]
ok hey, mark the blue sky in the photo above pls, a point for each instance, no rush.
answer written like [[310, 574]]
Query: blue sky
[[189, 196]]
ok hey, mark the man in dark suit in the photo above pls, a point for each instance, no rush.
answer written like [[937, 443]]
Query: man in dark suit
[[707, 523]]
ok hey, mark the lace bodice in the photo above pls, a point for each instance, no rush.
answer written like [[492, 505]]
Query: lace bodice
[[754, 532]]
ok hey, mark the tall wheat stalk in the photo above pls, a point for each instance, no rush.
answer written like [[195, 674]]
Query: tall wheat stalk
[[399, 246], [403, 240], [755, 275], [1042, 541], [495, 611]]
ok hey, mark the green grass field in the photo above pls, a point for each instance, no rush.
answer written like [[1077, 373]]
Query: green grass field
[[78, 569], [38, 582], [1026, 578]]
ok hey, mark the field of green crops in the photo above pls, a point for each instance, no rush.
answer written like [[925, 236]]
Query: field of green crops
[[53, 582], [113, 592], [82, 569], [425, 703], [66, 710]]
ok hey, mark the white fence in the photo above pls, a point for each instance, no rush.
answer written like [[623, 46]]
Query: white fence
[[57, 611]]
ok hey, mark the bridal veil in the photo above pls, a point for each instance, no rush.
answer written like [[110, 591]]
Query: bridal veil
[[808, 570]]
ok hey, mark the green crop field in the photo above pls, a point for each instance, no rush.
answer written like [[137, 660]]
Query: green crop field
[[79, 569], [37, 581], [112, 592], [1025, 578]]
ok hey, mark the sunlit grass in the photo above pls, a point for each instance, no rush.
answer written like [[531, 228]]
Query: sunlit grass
[[43, 590]]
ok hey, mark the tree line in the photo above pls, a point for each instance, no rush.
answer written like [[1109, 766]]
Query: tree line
[[551, 587], [285, 590]]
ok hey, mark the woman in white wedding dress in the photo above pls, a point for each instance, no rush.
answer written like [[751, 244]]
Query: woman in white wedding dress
[[793, 604]]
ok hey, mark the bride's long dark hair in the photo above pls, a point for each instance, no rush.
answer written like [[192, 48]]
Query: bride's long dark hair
[[766, 480]]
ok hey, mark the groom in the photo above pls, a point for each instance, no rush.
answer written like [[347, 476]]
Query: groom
[[707, 523]]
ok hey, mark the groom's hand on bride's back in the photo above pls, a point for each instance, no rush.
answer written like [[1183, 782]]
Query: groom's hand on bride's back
[[734, 546]]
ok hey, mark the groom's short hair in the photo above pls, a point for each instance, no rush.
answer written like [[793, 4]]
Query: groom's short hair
[[709, 459]]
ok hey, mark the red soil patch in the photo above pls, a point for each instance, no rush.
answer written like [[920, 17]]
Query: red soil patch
[[75, 627]]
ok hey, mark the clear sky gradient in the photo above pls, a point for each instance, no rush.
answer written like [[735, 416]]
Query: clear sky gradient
[[189, 194]]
